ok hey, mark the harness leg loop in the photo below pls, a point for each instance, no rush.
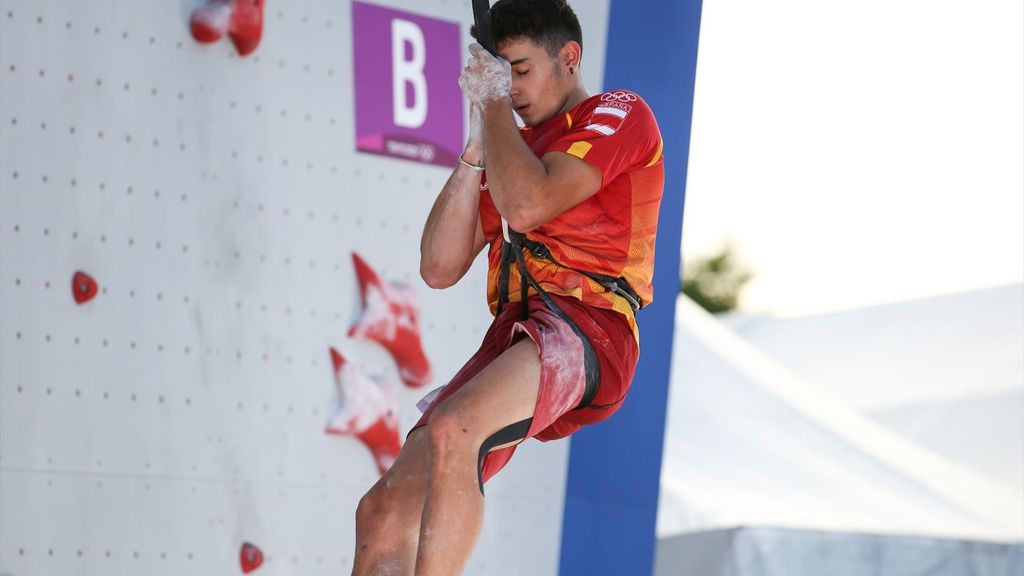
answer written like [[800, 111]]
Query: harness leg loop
[[507, 435]]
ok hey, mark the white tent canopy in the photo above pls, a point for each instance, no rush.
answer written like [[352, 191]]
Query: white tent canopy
[[748, 442], [946, 372]]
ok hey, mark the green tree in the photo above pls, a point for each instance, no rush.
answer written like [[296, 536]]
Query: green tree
[[715, 282]]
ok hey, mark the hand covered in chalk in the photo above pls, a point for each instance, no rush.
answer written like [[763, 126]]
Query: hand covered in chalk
[[485, 78]]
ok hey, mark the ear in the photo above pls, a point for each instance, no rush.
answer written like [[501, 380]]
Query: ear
[[570, 54]]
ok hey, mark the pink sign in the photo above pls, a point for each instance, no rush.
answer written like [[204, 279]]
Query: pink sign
[[408, 102]]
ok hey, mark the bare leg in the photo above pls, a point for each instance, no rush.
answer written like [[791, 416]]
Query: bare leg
[[503, 393], [388, 517]]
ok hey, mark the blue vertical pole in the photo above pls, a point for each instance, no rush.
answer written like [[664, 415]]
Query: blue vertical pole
[[611, 502]]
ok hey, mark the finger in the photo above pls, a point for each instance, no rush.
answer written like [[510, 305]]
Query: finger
[[480, 54]]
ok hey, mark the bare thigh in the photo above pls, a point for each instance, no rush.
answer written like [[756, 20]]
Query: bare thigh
[[503, 393]]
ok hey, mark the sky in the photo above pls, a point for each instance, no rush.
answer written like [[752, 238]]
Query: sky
[[858, 153]]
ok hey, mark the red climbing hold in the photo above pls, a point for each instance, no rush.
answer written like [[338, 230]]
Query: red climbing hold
[[83, 287], [251, 557], [246, 27], [209, 21], [242, 20], [368, 411], [391, 318]]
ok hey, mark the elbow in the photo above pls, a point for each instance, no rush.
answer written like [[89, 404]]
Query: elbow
[[531, 211], [438, 282], [436, 276], [525, 220], [524, 210]]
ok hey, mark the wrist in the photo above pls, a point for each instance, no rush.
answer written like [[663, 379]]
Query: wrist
[[499, 102], [478, 166], [473, 154]]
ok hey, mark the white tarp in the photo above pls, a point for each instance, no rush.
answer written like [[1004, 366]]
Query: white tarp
[[759, 551], [748, 442], [751, 443], [946, 371]]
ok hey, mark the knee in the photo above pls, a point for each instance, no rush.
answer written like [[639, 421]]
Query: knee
[[449, 433], [379, 510], [369, 510]]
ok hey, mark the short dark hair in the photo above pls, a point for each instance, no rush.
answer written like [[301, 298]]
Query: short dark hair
[[549, 23]]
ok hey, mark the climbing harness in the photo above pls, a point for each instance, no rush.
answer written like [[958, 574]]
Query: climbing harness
[[514, 246]]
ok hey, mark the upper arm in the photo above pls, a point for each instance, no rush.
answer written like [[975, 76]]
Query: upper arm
[[617, 134], [569, 181]]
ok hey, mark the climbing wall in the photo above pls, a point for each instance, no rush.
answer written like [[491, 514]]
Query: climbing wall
[[213, 331]]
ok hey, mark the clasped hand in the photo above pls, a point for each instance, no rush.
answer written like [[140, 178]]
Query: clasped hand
[[485, 78]]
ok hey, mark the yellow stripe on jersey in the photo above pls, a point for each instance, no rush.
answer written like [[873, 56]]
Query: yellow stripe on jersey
[[580, 149], [657, 155], [568, 120]]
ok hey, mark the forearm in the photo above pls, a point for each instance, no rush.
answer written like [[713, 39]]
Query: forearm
[[448, 246], [515, 175]]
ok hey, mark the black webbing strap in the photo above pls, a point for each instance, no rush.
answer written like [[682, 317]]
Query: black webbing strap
[[506, 259], [507, 435], [617, 285], [513, 251], [519, 241], [482, 19], [591, 367], [524, 288]]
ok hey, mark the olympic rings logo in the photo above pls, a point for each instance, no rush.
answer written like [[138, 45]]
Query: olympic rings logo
[[618, 97]]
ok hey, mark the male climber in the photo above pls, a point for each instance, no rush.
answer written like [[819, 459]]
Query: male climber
[[568, 208]]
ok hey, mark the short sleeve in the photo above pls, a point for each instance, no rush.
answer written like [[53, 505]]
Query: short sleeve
[[616, 133]]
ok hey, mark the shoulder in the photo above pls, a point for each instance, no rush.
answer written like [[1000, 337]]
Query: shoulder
[[624, 100], [624, 108]]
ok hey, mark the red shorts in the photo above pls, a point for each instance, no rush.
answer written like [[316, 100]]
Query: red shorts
[[562, 379]]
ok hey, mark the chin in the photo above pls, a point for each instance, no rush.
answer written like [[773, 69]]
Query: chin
[[532, 120]]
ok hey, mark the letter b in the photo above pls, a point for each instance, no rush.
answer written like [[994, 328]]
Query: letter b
[[414, 114]]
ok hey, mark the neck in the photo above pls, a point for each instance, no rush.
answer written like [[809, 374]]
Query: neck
[[577, 95]]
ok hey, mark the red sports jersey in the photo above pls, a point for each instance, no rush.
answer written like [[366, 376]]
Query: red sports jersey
[[612, 232]]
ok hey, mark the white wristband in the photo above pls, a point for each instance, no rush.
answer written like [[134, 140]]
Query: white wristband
[[477, 167]]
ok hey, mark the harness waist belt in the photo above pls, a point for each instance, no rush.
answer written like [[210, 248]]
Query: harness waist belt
[[512, 250]]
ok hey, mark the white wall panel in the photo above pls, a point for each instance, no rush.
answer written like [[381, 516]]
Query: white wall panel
[[217, 201]]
